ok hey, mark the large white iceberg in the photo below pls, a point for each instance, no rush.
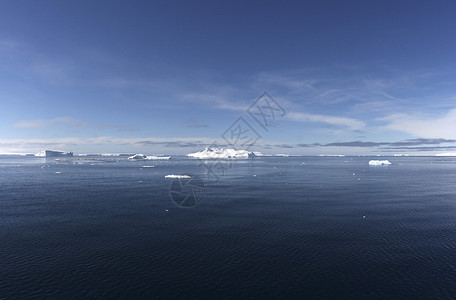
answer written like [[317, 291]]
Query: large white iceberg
[[146, 157], [379, 162], [214, 153]]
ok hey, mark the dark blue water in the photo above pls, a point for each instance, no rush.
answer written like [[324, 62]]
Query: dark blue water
[[275, 228]]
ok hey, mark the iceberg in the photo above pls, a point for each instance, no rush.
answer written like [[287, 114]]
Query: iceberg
[[178, 176], [54, 153], [214, 153], [379, 162], [146, 157]]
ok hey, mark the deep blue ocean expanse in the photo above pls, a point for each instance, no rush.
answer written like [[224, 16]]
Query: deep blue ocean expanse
[[270, 228]]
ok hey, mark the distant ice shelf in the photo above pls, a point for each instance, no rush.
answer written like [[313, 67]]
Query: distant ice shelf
[[379, 162], [224, 153], [147, 157], [446, 154]]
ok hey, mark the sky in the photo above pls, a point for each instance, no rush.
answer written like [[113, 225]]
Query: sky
[[172, 77]]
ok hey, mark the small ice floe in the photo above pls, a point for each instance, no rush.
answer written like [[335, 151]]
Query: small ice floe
[[379, 162], [178, 176]]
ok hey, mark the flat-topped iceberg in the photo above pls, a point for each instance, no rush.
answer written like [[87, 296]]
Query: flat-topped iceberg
[[224, 153], [146, 157], [379, 162], [53, 153]]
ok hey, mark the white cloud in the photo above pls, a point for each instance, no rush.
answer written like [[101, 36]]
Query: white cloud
[[443, 126], [352, 124], [62, 121]]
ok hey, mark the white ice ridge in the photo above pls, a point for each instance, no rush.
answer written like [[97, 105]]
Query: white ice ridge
[[145, 157], [178, 176], [211, 153], [379, 162]]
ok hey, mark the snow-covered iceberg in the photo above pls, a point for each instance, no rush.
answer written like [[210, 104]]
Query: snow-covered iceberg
[[224, 153], [379, 162], [146, 157]]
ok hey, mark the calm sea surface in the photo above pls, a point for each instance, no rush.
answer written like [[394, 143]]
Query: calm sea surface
[[270, 228]]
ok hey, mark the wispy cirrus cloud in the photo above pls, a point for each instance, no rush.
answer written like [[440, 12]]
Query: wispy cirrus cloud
[[194, 123], [410, 145], [71, 122], [103, 143], [9, 44], [222, 102], [425, 126], [352, 124], [61, 121]]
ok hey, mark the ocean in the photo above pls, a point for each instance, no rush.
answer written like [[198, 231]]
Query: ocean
[[267, 228]]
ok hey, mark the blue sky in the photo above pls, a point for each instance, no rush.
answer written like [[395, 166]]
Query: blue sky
[[354, 77]]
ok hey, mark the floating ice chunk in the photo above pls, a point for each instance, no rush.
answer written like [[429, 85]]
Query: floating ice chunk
[[379, 162], [53, 153], [213, 153], [138, 156], [145, 157], [152, 157], [178, 176]]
